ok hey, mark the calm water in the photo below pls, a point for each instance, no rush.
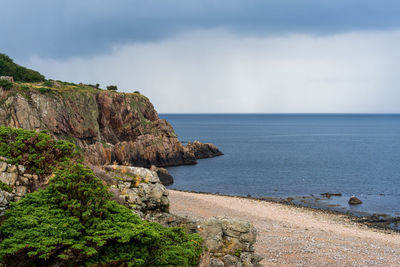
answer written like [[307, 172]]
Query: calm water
[[297, 155]]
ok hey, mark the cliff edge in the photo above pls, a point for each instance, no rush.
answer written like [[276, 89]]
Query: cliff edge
[[108, 126]]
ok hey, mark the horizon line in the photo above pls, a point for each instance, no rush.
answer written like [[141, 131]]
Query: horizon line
[[273, 113]]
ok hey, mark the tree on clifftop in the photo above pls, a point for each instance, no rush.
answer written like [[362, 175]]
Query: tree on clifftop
[[20, 74]]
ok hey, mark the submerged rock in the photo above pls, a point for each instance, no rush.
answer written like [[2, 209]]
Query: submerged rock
[[354, 201]]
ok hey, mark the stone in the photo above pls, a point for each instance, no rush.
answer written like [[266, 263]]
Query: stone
[[21, 169], [354, 201], [21, 191], [216, 263], [235, 227], [163, 175], [3, 166], [24, 180], [230, 261], [3, 202], [12, 169], [147, 197], [211, 231], [8, 178], [27, 175]]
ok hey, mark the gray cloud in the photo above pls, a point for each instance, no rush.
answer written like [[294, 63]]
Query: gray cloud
[[217, 71], [76, 28]]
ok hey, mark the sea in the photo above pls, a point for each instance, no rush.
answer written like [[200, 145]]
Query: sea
[[299, 156]]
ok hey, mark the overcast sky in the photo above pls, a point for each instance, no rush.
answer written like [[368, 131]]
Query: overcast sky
[[204, 56]]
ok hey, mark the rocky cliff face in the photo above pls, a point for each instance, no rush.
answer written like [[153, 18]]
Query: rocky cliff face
[[108, 126]]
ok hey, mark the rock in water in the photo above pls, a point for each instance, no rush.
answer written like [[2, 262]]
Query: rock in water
[[354, 201], [202, 151]]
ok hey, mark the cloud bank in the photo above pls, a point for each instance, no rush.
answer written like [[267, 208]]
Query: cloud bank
[[220, 71], [71, 28]]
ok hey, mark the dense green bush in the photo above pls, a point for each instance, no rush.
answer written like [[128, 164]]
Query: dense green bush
[[44, 90], [75, 222], [112, 88], [22, 74], [37, 151], [48, 83], [6, 85]]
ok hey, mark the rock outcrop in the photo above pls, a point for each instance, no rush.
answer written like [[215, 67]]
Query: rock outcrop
[[163, 174], [202, 151], [137, 188], [107, 126], [15, 182]]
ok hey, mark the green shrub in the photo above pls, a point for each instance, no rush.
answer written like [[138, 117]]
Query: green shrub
[[48, 83], [24, 87], [5, 187], [74, 222], [6, 85], [38, 152], [22, 74], [112, 88], [44, 90]]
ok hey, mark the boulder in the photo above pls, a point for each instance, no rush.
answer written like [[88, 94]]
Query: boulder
[[354, 201], [165, 178], [135, 187]]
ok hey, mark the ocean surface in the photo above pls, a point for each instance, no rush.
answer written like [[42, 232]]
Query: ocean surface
[[297, 156]]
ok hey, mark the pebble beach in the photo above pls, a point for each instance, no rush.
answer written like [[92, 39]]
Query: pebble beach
[[297, 236]]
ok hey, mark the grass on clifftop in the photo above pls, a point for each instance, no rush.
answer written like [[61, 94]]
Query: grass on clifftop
[[74, 222]]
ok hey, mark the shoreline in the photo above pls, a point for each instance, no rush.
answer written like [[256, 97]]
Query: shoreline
[[371, 220], [295, 235]]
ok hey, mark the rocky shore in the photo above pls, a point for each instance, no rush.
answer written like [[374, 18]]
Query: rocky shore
[[289, 235]]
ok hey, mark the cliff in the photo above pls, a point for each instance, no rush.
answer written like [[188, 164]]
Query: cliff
[[108, 126]]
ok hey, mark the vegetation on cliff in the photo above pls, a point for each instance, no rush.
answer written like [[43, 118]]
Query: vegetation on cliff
[[74, 221], [37, 151], [20, 74], [106, 125]]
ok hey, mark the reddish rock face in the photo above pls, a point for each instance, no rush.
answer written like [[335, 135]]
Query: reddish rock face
[[107, 126]]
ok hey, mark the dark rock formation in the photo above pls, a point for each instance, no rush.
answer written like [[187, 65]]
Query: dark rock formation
[[202, 151], [163, 174], [107, 126], [354, 201]]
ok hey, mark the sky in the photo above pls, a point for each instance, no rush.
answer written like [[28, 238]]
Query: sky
[[217, 56]]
